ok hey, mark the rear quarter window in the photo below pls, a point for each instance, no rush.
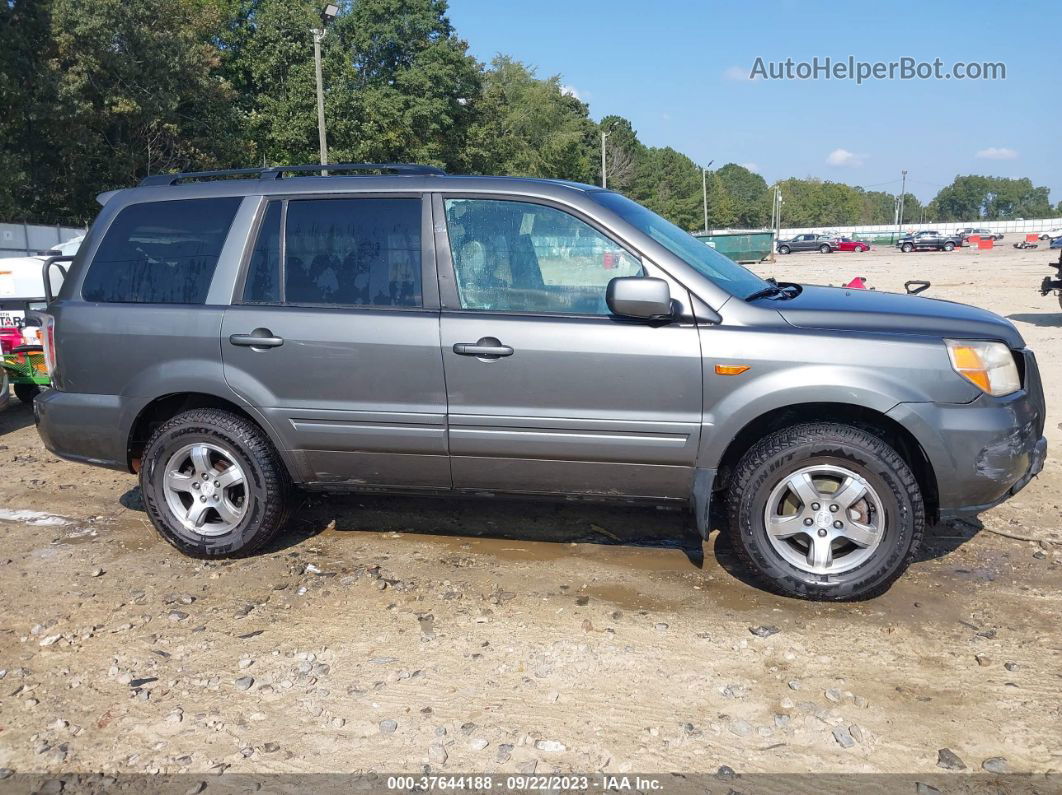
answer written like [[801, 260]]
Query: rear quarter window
[[160, 252]]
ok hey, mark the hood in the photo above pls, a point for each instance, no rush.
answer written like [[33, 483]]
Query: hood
[[841, 309]]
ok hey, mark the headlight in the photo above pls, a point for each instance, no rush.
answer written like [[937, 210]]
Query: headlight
[[987, 365]]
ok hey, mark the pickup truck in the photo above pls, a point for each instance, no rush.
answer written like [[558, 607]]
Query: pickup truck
[[808, 242], [928, 241]]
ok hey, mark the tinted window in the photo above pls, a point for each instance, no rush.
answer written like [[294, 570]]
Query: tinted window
[[518, 257], [160, 252], [358, 252], [263, 272]]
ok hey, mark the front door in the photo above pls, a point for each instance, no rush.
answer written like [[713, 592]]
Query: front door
[[547, 392], [336, 340]]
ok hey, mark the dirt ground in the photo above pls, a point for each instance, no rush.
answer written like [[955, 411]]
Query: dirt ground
[[490, 635]]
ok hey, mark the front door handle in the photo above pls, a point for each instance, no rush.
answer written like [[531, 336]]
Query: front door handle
[[259, 338], [486, 348]]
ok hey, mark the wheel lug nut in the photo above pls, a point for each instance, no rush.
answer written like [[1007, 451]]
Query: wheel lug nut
[[206, 476], [822, 533], [809, 522], [833, 508], [216, 498], [203, 498], [217, 482], [838, 524], [195, 485], [814, 506]]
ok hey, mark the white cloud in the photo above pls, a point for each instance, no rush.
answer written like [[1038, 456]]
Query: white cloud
[[572, 91], [997, 153], [736, 73], [750, 166], [842, 157]]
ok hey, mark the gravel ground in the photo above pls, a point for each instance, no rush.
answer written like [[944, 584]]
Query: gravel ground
[[392, 633]]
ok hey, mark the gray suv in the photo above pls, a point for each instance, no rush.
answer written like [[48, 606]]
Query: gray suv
[[401, 330]]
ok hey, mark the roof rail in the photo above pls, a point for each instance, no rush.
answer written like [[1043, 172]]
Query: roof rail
[[277, 172]]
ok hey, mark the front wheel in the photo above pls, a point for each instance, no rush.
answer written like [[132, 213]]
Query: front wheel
[[213, 485], [783, 249], [906, 248], [825, 511]]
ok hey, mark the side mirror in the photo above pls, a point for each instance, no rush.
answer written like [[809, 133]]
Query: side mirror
[[639, 297]]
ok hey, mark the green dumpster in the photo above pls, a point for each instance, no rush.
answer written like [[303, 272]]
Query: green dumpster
[[740, 246]]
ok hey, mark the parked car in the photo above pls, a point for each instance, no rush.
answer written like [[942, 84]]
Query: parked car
[[821, 243], [415, 332], [847, 244], [985, 234], [1051, 234], [928, 241]]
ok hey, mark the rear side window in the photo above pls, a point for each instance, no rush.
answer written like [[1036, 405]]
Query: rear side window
[[345, 252], [160, 252]]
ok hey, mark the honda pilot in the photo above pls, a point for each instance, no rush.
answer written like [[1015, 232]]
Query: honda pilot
[[391, 328]]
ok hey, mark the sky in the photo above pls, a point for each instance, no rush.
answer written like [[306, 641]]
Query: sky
[[678, 70]]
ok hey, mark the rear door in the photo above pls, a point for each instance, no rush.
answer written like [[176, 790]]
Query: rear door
[[335, 337], [547, 391]]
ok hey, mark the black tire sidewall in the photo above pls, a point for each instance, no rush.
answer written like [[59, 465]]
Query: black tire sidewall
[[164, 444], [869, 578]]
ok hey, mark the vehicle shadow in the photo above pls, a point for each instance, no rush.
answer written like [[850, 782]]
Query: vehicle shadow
[[1044, 319], [541, 520], [503, 518], [15, 417]]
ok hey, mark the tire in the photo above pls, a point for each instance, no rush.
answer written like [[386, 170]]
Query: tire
[[1060, 300], [906, 248], [893, 527], [221, 443], [949, 246], [783, 249], [26, 392], [5, 393], [824, 249]]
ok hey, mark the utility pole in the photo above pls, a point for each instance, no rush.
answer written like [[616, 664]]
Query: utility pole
[[604, 175], [327, 15], [704, 188], [903, 190]]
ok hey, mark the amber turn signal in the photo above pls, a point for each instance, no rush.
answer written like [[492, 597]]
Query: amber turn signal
[[730, 369]]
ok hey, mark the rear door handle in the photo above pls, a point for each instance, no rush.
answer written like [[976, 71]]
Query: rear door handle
[[488, 347], [259, 338]]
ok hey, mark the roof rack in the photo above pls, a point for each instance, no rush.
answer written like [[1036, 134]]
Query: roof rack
[[277, 172]]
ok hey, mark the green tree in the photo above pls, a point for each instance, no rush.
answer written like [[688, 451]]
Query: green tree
[[669, 183], [138, 92], [528, 127], [622, 150], [972, 197], [749, 195]]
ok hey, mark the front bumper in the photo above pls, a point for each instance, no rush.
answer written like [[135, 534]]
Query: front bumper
[[985, 451]]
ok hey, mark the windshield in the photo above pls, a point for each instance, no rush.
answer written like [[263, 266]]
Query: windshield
[[722, 270]]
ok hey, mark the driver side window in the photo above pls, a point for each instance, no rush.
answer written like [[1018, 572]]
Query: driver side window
[[512, 256]]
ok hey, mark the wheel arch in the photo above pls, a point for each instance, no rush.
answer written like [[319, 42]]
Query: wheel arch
[[868, 419], [164, 407]]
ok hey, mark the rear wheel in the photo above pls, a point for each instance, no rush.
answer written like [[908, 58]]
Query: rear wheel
[[949, 246], [26, 392], [825, 249], [825, 511], [213, 484]]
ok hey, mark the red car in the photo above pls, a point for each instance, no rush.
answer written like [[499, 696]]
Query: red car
[[847, 244]]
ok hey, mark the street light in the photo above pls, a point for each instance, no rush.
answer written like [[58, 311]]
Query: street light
[[328, 13], [704, 187], [604, 175]]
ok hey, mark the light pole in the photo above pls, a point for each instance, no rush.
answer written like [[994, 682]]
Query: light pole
[[604, 175], [328, 13], [704, 188], [903, 190]]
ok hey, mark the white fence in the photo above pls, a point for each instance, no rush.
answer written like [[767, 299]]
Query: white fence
[[1027, 226], [19, 240]]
